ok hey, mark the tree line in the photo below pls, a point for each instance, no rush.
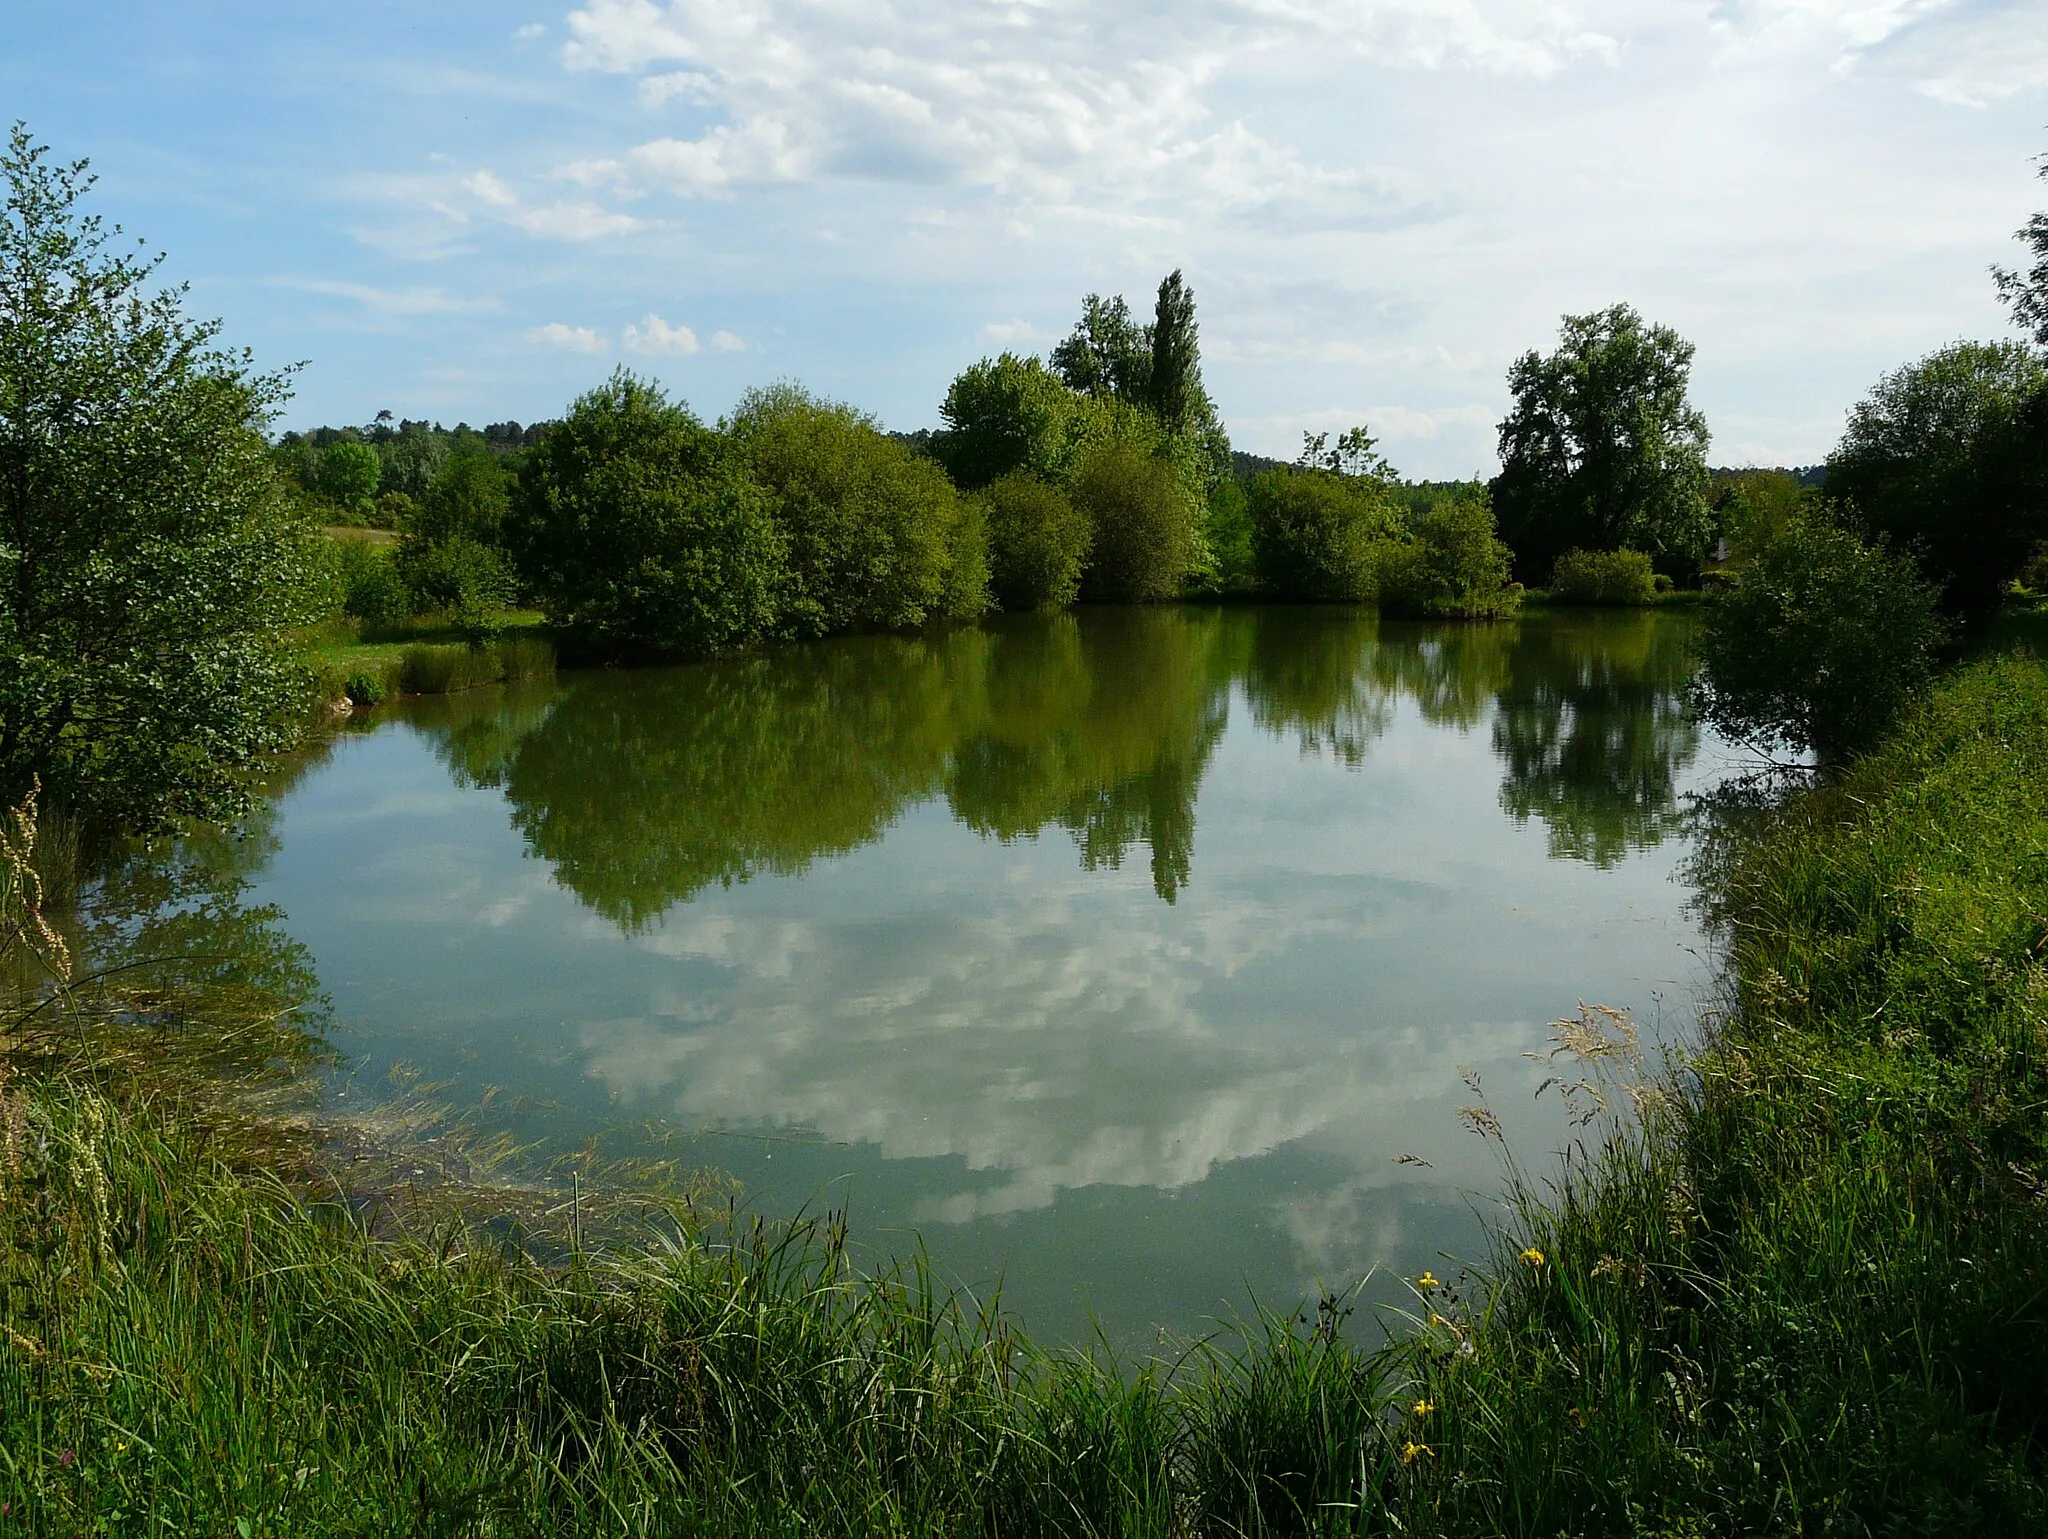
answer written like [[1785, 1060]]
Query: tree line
[[157, 547]]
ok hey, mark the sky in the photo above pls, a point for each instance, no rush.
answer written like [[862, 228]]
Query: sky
[[473, 211]]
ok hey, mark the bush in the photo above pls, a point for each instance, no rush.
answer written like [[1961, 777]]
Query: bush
[[1819, 645], [1037, 542], [1603, 577], [873, 530], [466, 500], [1453, 568], [1141, 521], [640, 531], [1006, 414], [457, 576], [363, 689], [1314, 534], [447, 670], [1228, 529]]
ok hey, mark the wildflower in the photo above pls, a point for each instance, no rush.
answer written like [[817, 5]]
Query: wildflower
[[1411, 1451], [1436, 1319], [1427, 1282], [64, 1459], [1422, 1408], [1533, 1256]]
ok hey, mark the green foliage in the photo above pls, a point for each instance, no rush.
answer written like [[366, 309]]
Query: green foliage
[[1144, 531], [466, 500], [873, 532], [1316, 534], [1602, 448], [1452, 568], [1006, 414], [429, 669], [148, 558], [2027, 292], [1107, 355], [1227, 531], [347, 475], [642, 532], [1038, 543], [1603, 577], [363, 689], [1820, 645], [1949, 457], [457, 577], [360, 580]]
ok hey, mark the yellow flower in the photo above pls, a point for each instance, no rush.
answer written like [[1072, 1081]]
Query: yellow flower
[[1533, 1256], [1438, 1320], [1410, 1452], [1422, 1408], [1427, 1281]]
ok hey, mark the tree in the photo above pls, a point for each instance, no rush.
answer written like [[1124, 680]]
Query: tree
[[467, 499], [876, 535], [1452, 568], [148, 555], [1004, 414], [2027, 292], [1038, 543], [347, 475], [642, 532], [1107, 353], [1316, 535], [1173, 384], [1602, 448], [1949, 458], [1820, 645], [1144, 524]]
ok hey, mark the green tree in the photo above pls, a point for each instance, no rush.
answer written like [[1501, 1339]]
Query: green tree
[[148, 554], [1107, 354], [467, 499], [1603, 449], [1453, 568], [1143, 520], [2027, 292], [876, 535], [640, 531], [1603, 577], [1038, 542], [1949, 457], [1004, 414], [1821, 644], [1316, 535], [347, 475]]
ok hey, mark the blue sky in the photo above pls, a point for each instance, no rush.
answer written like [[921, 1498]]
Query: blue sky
[[467, 210]]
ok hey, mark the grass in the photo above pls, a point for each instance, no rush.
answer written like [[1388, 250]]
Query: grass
[[1802, 1293], [426, 655]]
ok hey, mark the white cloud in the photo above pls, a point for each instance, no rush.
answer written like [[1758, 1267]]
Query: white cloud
[[728, 342], [388, 302], [557, 221], [655, 337], [530, 31], [577, 339], [1012, 333]]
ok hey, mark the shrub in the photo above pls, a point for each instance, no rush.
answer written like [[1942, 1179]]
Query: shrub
[[363, 689], [640, 531], [1452, 568], [1820, 644], [1603, 577], [1141, 521], [872, 529], [457, 575], [1227, 527], [1314, 534], [1037, 542], [1006, 414]]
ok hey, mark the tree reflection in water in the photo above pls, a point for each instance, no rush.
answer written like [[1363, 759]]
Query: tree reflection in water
[[643, 789]]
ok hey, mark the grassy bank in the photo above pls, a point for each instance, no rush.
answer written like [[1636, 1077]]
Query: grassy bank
[[1805, 1297], [428, 655]]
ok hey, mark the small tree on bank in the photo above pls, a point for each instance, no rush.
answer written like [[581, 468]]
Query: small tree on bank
[[1821, 644], [148, 559]]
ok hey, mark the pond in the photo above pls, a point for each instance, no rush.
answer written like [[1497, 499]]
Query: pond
[[1138, 960]]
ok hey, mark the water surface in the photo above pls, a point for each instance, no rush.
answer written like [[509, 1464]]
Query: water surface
[[1119, 954]]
